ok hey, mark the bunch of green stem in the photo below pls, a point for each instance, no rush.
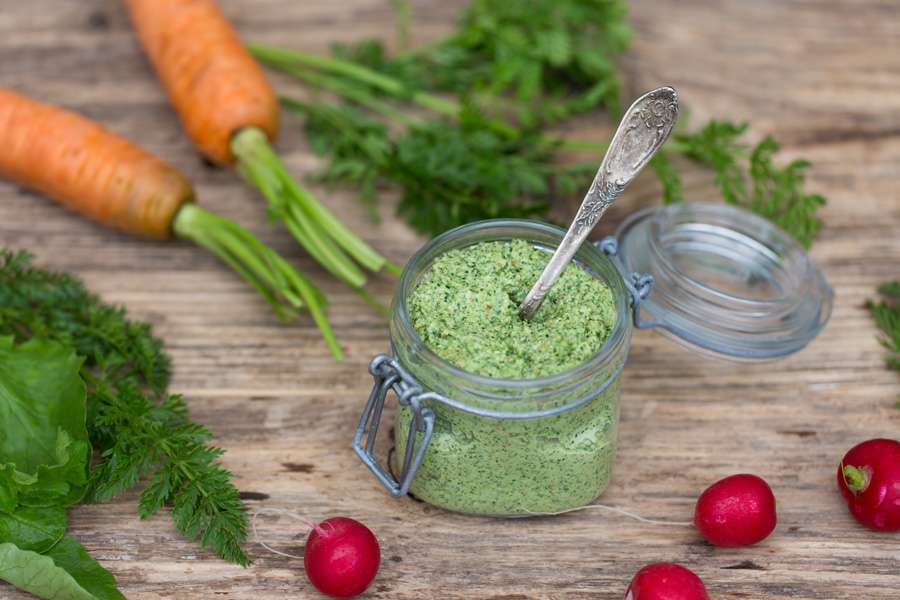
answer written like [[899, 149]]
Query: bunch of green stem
[[454, 163], [358, 83], [331, 243], [286, 290]]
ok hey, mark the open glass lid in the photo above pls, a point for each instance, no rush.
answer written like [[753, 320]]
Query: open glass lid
[[725, 280]]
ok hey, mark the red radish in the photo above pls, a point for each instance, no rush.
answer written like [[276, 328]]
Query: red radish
[[869, 480], [341, 557], [736, 511], [666, 581]]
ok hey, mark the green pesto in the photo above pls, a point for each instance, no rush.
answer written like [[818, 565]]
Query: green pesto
[[465, 310], [515, 467]]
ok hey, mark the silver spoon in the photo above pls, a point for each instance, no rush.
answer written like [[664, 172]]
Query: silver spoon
[[644, 128]]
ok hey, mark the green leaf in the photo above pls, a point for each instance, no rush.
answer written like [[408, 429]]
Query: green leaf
[[529, 81], [891, 289], [11, 481], [47, 576], [887, 318], [63, 483], [136, 428], [527, 65], [755, 183], [668, 177], [35, 529], [42, 422], [555, 46], [543, 59], [87, 572]]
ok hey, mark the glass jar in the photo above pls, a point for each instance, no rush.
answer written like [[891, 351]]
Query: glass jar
[[508, 447], [731, 284]]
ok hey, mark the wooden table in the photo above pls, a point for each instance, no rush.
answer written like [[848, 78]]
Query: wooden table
[[824, 76]]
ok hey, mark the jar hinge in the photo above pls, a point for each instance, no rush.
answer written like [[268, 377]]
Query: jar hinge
[[639, 285], [389, 376]]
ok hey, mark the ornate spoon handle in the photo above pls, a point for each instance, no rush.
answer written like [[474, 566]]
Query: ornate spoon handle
[[644, 128]]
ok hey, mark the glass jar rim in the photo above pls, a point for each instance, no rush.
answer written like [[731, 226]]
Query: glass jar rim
[[605, 354]]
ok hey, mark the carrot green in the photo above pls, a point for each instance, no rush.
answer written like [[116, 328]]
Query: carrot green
[[886, 313], [461, 126], [138, 431]]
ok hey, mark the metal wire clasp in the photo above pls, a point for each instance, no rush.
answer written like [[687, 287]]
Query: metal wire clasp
[[389, 376]]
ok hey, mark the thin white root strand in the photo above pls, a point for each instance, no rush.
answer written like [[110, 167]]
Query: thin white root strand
[[280, 512], [616, 510], [318, 527]]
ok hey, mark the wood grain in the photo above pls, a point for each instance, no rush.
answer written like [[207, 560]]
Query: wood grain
[[824, 76]]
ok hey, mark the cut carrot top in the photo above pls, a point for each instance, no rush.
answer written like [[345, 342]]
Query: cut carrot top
[[231, 114], [107, 178]]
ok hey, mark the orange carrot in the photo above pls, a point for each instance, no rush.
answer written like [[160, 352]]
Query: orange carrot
[[216, 87], [82, 165], [231, 114], [107, 178]]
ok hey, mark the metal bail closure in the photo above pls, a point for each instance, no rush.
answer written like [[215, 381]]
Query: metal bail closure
[[388, 377]]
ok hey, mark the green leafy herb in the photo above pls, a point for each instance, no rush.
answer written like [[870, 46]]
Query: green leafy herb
[[66, 572], [450, 173], [668, 177], [143, 439], [716, 145], [750, 178], [886, 313], [518, 66], [136, 429], [549, 58]]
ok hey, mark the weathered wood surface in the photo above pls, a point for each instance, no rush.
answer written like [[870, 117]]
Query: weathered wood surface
[[824, 76]]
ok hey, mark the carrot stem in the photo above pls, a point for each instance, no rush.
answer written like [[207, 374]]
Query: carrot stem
[[290, 201], [393, 268], [300, 225], [322, 248], [281, 58], [298, 63], [403, 14], [354, 93], [278, 283], [372, 301]]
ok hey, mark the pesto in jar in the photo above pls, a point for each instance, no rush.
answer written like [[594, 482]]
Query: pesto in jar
[[466, 311], [464, 307]]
